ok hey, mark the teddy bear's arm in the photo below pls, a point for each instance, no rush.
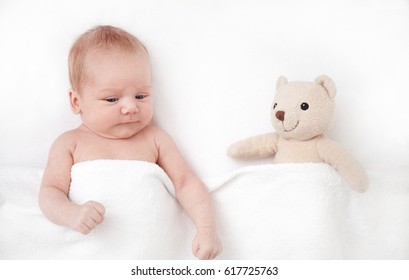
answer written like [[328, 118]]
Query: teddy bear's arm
[[333, 154], [255, 147]]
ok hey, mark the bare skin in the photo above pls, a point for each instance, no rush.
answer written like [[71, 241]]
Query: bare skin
[[115, 105]]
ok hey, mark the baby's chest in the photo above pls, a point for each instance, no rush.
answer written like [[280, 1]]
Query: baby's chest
[[91, 149]]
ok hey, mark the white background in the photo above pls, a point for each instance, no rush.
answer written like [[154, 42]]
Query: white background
[[215, 67]]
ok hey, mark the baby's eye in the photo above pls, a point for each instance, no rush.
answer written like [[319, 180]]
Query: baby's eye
[[305, 106], [112, 99], [140, 97], [275, 105]]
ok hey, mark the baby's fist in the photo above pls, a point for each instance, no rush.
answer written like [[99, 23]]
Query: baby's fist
[[207, 245], [87, 216]]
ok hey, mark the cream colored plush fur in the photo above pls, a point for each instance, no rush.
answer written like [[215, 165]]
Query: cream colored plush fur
[[301, 113]]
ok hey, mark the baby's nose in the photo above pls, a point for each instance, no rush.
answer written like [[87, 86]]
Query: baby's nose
[[280, 115], [129, 108]]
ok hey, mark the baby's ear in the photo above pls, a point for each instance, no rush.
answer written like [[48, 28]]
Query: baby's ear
[[74, 101], [328, 84], [281, 81]]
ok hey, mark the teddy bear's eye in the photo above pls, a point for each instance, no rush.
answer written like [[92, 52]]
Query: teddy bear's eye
[[275, 105], [305, 106]]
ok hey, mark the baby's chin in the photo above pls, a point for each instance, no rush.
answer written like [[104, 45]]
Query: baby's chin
[[121, 132]]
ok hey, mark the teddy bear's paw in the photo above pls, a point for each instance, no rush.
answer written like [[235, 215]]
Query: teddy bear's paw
[[235, 151], [361, 187]]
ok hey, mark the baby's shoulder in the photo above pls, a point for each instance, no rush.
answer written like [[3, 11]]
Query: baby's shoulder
[[68, 138], [63, 145], [71, 134]]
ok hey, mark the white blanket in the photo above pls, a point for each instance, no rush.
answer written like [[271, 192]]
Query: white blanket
[[307, 211], [285, 211], [143, 220]]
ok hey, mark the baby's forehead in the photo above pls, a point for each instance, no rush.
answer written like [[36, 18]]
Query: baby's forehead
[[107, 58], [107, 66], [99, 52]]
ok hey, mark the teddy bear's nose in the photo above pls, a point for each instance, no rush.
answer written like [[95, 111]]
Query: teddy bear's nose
[[280, 115]]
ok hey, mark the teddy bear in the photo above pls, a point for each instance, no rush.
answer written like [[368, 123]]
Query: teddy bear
[[301, 114]]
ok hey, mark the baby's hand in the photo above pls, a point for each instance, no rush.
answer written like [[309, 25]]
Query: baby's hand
[[207, 245], [87, 216]]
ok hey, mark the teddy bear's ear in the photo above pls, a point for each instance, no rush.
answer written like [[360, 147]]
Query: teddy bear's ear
[[327, 83], [281, 81]]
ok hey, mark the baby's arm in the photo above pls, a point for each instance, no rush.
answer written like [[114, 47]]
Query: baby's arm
[[255, 147], [53, 197], [192, 195]]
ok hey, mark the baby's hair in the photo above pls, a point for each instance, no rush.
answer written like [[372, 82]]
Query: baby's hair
[[102, 37]]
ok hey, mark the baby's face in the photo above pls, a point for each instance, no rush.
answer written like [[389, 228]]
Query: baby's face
[[116, 98]]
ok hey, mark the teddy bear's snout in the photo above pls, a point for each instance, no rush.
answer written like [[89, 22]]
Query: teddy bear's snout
[[280, 115]]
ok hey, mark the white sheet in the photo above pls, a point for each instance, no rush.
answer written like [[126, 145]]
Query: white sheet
[[286, 211]]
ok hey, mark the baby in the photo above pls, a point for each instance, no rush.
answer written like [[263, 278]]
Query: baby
[[110, 76]]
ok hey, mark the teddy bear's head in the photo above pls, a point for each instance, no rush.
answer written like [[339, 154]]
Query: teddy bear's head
[[303, 110]]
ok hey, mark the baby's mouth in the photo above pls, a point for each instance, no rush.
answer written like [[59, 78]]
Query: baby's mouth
[[130, 121], [289, 130]]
